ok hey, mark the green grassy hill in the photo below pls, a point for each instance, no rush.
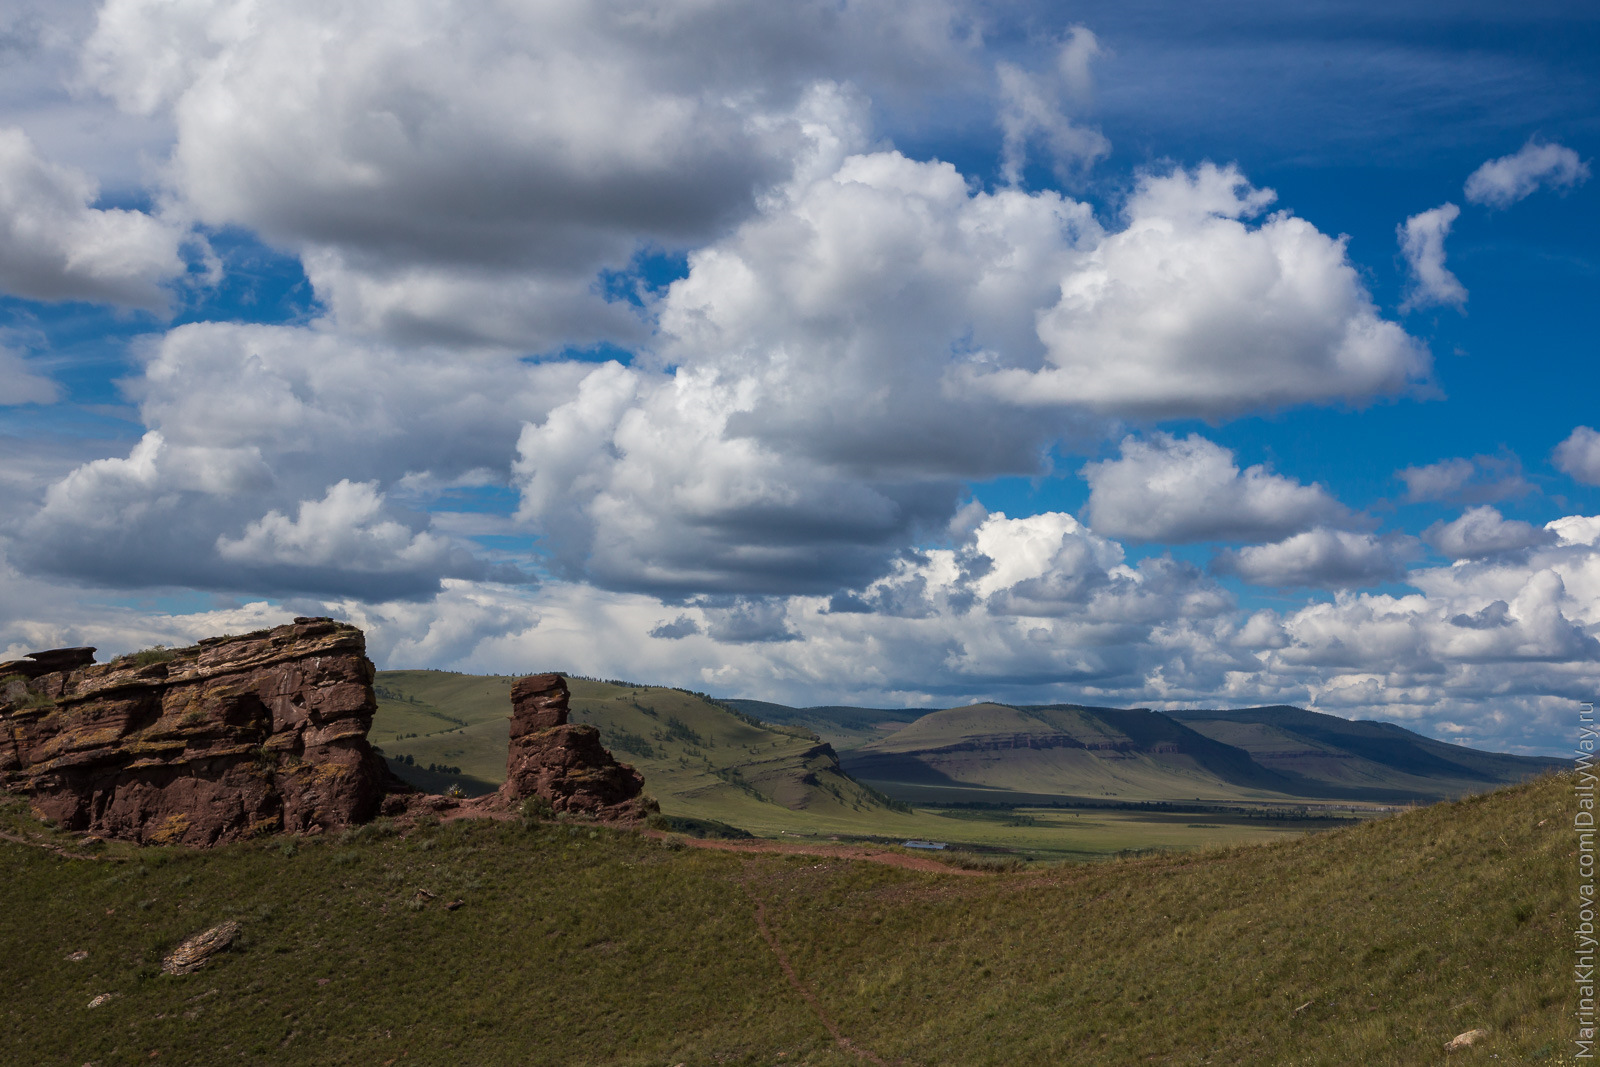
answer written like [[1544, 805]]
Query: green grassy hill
[[1329, 756], [842, 727], [579, 946], [444, 719], [700, 760], [1037, 754], [1065, 752], [707, 764]]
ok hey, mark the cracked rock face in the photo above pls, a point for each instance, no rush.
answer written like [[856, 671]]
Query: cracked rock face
[[231, 738]]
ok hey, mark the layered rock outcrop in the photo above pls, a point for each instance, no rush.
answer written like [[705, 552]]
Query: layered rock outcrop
[[234, 737], [564, 762], [264, 733]]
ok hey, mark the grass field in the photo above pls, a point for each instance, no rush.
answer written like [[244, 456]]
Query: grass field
[[702, 761], [576, 945]]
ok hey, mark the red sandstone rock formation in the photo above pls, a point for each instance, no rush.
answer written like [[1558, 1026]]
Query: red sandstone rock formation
[[264, 733], [234, 737], [563, 762]]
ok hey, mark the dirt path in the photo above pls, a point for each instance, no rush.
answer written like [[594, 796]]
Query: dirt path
[[839, 852], [57, 849], [804, 991]]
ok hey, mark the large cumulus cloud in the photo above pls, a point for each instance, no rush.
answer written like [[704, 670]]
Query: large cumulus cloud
[[1190, 310], [56, 245], [270, 446], [1168, 489], [837, 367], [465, 170]]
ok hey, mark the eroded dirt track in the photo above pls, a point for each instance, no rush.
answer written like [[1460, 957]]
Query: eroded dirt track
[[805, 992]]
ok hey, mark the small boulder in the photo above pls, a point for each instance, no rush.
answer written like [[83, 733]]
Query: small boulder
[[193, 951]]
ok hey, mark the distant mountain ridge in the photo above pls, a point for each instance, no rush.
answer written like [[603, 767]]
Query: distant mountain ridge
[[1360, 759], [1030, 753]]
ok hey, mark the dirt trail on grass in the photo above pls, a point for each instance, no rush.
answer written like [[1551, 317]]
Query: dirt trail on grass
[[804, 991], [57, 849], [838, 852]]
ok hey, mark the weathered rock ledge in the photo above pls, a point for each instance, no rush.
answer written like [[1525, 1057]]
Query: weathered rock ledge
[[262, 733], [233, 737]]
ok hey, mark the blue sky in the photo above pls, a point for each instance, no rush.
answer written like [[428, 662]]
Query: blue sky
[[884, 353]]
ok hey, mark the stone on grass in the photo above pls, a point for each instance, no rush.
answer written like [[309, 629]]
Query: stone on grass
[[1466, 1040], [193, 951]]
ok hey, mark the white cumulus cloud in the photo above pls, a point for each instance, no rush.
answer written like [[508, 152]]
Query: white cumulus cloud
[[1321, 558], [1190, 489], [1422, 243], [1502, 182], [347, 529], [1190, 310], [1578, 456], [251, 420], [55, 245], [1483, 531]]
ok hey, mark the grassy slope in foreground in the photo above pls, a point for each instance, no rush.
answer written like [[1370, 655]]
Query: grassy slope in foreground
[[1369, 945]]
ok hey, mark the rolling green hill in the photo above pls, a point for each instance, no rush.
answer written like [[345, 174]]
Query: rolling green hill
[[842, 727], [709, 764], [1066, 752], [579, 946], [1329, 756], [440, 718], [700, 760]]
